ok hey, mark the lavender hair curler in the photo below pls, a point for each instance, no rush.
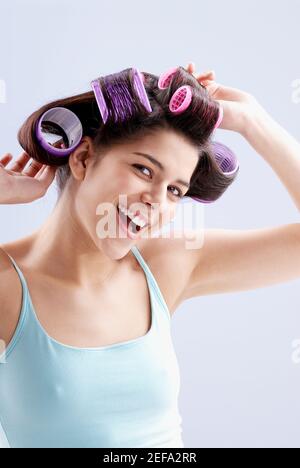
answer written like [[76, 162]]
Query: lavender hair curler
[[59, 131], [225, 158], [227, 162], [100, 100], [139, 80], [119, 94]]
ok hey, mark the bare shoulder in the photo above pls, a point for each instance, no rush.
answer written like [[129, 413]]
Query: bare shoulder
[[7, 269], [172, 260], [10, 294], [180, 246], [5, 262]]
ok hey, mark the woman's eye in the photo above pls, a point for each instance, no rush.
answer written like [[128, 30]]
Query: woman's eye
[[180, 194], [139, 167]]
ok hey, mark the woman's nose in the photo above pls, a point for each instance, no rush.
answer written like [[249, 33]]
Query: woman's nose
[[157, 195], [155, 203]]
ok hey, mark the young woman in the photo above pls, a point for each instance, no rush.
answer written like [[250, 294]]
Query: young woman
[[89, 360]]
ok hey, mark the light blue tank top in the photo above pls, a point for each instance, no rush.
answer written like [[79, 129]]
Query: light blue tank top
[[121, 395]]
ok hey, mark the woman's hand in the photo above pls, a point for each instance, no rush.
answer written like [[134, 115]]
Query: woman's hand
[[239, 106], [23, 185]]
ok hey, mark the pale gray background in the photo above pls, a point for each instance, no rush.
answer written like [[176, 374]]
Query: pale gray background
[[240, 387]]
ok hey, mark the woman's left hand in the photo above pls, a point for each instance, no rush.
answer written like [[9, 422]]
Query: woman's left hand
[[239, 106]]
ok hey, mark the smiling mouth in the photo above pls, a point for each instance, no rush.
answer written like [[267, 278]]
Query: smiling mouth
[[132, 228]]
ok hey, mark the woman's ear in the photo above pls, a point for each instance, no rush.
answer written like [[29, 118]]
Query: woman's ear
[[81, 158]]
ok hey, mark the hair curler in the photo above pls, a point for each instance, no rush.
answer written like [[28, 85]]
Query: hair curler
[[182, 98], [59, 131], [120, 96], [227, 162], [166, 78]]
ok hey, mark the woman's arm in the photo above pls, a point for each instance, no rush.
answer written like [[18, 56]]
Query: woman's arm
[[234, 260], [277, 147], [244, 114], [239, 260]]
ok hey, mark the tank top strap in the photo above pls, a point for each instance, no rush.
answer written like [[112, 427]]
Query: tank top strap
[[155, 289], [20, 274], [24, 309]]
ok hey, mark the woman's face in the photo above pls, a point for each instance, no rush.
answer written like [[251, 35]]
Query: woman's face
[[123, 177]]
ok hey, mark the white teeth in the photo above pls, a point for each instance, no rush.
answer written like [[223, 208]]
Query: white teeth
[[136, 219], [139, 221], [126, 212]]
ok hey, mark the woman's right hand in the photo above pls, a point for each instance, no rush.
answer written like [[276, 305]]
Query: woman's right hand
[[20, 184]]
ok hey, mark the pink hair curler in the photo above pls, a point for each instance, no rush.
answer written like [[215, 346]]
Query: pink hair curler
[[221, 115], [181, 99], [164, 82], [166, 78]]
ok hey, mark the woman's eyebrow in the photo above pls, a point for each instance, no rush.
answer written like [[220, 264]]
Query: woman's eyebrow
[[160, 166]]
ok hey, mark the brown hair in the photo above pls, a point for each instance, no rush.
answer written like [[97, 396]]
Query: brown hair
[[196, 124]]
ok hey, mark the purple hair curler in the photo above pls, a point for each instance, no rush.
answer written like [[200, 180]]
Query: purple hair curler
[[59, 131], [100, 100], [227, 162], [181, 100], [140, 89], [120, 96]]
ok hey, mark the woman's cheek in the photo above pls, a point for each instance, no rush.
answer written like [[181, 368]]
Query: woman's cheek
[[129, 185]]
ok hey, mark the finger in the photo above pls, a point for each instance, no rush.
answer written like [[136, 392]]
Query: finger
[[41, 169], [191, 68], [33, 168], [212, 87], [46, 175], [206, 82], [4, 160], [20, 163], [226, 93], [208, 73], [206, 76]]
